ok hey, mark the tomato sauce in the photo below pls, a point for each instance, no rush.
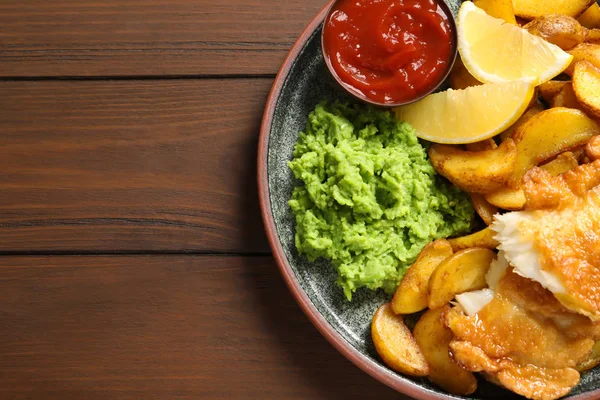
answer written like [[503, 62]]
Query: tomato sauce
[[389, 51]]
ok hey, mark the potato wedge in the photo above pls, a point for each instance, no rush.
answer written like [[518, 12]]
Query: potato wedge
[[483, 238], [566, 98], [536, 109], [530, 9], [593, 36], [484, 209], [460, 77], [564, 31], [562, 163], [592, 361], [433, 339], [584, 52], [395, 344], [502, 9], [462, 272], [487, 144], [475, 172], [411, 295], [550, 89], [586, 86], [507, 198], [591, 17], [592, 149], [548, 134]]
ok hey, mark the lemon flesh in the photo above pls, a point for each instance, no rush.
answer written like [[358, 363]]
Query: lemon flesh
[[469, 115], [494, 51]]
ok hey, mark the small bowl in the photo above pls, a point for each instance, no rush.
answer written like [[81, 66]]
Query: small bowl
[[354, 93]]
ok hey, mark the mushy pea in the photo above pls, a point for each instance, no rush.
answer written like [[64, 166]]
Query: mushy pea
[[369, 199]]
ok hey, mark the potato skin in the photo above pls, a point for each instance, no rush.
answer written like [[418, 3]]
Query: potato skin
[[483, 238], [584, 52], [586, 85], [530, 9], [564, 31]]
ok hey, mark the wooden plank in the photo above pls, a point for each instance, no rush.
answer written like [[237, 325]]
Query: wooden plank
[[130, 165], [163, 327], [148, 37]]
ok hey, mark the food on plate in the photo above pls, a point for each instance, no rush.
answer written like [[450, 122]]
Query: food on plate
[[548, 134], [470, 115], [564, 31], [368, 198], [475, 171], [464, 271], [592, 360], [584, 52], [592, 149], [530, 9], [534, 109], [551, 88], [433, 338], [395, 344], [502, 9], [483, 238], [494, 51], [485, 210], [586, 86], [460, 78], [591, 17], [566, 98], [387, 51], [413, 293], [487, 144]]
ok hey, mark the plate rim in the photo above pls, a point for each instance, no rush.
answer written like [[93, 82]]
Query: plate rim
[[376, 370]]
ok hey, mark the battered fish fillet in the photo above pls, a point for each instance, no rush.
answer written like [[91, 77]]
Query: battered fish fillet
[[558, 243], [523, 339]]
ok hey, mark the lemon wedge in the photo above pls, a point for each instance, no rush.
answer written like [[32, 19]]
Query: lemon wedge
[[469, 115], [494, 51]]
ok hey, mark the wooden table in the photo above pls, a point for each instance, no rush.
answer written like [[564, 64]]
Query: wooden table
[[133, 263]]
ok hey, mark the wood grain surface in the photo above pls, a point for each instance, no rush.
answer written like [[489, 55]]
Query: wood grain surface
[[165, 165], [149, 37], [163, 327]]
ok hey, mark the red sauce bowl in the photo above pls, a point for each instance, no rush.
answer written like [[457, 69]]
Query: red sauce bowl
[[389, 52]]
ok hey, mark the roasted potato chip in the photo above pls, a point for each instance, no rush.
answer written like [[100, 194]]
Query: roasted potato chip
[[483, 238], [550, 89], [411, 295], [462, 272], [485, 210], [507, 198], [586, 85], [584, 52], [592, 361], [564, 31], [475, 172], [548, 134], [591, 17], [530, 9], [536, 109], [592, 149], [395, 344], [566, 98], [502, 9], [433, 339], [460, 77]]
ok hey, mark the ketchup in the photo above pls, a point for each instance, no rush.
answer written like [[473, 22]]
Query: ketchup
[[389, 51]]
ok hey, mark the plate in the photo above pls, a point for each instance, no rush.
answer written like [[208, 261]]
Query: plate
[[301, 84]]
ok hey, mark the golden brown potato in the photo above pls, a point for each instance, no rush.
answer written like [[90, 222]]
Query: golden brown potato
[[530, 9], [564, 31], [566, 98], [475, 172], [550, 89], [586, 84], [483, 238], [502, 9], [592, 36], [433, 339], [584, 52], [460, 77], [592, 361], [591, 17], [395, 344], [411, 295], [548, 134], [514, 199], [592, 149], [487, 144], [462, 272], [485, 210], [536, 109]]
